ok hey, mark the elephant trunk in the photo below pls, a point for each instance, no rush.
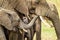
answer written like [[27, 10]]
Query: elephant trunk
[[56, 22], [26, 26]]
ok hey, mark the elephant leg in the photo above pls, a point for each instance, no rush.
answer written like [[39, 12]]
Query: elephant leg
[[13, 36], [32, 32], [2, 35], [21, 35], [38, 29], [56, 22], [28, 34]]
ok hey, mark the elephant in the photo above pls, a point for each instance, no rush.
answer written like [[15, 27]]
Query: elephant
[[32, 5], [27, 31], [51, 13], [20, 5], [15, 5], [9, 19], [44, 9]]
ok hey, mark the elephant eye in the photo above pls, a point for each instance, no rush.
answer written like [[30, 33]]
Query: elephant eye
[[32, 10]]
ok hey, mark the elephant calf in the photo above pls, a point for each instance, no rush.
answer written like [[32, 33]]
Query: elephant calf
[[10, 20]]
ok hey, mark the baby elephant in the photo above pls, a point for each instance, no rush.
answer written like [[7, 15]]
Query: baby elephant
[[10, 19]]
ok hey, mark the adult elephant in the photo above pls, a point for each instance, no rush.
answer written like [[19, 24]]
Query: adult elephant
[[44, 10], [10, 20]]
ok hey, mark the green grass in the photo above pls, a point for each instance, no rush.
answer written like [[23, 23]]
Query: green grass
[[48, 33]]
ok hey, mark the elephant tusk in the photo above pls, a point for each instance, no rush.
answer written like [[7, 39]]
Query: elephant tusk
[[25, 30], [22, 25], [43, 20]]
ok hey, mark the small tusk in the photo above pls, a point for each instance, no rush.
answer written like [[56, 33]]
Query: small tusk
[[25, 30], [43, 20]]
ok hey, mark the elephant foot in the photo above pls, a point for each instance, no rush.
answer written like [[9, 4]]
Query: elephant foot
[[2, 35]]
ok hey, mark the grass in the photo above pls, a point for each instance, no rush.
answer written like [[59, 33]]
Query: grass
[[48, 33]]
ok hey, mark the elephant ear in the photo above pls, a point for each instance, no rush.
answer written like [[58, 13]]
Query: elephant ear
[[5, 21], [22, 7]]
